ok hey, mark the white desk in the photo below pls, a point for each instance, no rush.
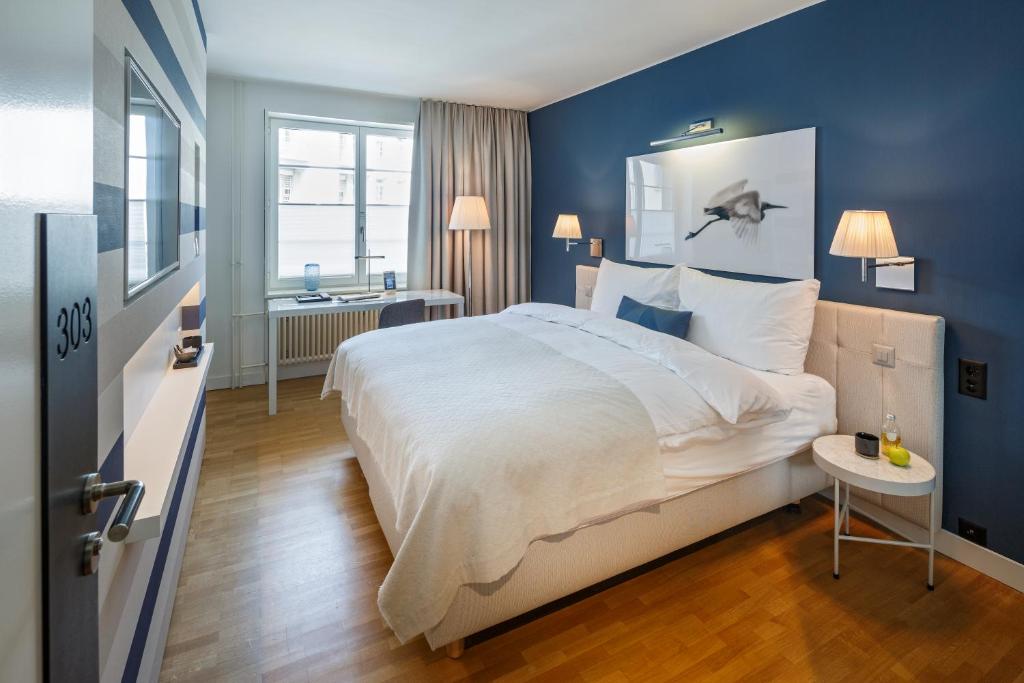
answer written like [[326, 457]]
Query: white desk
[[289, 308], [837, 457]]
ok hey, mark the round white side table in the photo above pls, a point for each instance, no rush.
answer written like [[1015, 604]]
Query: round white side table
[[836, 456]]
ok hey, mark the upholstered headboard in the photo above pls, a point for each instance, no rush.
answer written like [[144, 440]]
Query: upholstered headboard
[[841, 351]]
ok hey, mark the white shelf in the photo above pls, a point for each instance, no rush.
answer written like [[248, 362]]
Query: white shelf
[[154, 451]]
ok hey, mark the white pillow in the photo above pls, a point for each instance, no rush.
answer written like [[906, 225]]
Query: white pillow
[[761, 325], [654, 286]]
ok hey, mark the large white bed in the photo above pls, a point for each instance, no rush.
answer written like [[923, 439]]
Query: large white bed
[[677, 475]]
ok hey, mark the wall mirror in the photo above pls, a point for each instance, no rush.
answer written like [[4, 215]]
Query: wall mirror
[[153, 149]]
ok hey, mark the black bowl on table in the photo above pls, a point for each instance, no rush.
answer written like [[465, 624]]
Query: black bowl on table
[[866, 444]]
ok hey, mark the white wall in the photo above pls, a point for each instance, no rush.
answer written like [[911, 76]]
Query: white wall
[[235, 182]]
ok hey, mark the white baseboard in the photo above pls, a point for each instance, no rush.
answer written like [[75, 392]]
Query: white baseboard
[[258, 375], [988, 562], [304, 370], [249, 377], [214, 382]]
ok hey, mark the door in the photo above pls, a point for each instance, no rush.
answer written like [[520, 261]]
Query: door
[[71, 542], [46, 165]]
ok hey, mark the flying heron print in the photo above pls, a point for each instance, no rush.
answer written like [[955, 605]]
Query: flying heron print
[[742, 208]]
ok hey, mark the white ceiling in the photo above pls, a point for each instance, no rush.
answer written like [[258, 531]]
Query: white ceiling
[[514, 53]]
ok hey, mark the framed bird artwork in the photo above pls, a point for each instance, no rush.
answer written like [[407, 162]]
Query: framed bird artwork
[[742, 206]]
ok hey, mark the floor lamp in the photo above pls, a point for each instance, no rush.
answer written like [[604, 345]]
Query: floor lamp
[[469, 213]]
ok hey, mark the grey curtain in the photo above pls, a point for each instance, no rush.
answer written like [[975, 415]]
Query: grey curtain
[[462, 149]]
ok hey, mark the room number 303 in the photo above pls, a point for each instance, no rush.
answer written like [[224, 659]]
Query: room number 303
[[74, 327]]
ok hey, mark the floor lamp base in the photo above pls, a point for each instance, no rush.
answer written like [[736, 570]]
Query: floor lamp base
[[469, 273]]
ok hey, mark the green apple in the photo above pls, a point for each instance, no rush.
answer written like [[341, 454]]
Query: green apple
[[898, 456]]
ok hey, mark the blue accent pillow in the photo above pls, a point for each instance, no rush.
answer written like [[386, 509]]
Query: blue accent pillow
[[675, 323]]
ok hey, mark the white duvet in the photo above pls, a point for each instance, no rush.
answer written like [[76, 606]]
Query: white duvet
[[494, 431]]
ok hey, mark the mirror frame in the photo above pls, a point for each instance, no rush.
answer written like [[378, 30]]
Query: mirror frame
[[132, 66]]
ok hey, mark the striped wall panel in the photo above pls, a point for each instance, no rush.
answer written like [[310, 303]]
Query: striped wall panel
[[176, 528], [147, 20], [167, 38], [199, 21]]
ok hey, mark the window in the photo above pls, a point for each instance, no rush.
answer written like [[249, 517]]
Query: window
[[336, 191]]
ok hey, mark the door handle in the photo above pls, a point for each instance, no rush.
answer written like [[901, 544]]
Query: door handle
[[95, 491]]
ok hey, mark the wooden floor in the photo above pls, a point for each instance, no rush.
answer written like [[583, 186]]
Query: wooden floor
[[284, 558]]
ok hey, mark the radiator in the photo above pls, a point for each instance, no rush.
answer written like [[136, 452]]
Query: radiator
[[308, 338]]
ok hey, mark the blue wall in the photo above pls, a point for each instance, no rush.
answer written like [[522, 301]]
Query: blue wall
[[919, 106]]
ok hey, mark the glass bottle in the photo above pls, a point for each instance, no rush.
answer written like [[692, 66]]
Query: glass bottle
[[890, 434]]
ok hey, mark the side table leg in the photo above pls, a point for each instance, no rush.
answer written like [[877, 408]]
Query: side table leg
[[847, 508], [835, 533], [931, 541]]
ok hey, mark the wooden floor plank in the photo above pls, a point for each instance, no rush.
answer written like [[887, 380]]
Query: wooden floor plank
[[284, 558]]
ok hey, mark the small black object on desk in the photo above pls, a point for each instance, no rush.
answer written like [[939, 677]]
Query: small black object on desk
[[866, 444], [319, 297]]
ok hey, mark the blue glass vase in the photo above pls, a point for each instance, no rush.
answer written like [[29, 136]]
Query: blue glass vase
[[312, 277]]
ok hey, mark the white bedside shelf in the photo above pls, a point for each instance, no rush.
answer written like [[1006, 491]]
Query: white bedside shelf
[[153, 453]]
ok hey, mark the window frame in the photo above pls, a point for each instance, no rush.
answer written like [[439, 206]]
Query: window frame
[[274, 121], [133, 292]]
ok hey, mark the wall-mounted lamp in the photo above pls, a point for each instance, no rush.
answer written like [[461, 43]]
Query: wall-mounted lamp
[[867, 234], [697, 129], [568, 227]]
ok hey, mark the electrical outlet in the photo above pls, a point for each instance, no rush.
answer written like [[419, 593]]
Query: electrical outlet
[[884, 355], [973, 378], [975, 533]]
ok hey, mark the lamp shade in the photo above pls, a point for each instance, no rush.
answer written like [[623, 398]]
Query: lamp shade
[[469, 213], [568, 226], [864, 234]]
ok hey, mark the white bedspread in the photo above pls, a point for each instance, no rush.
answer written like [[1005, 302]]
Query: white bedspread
[[494, 431]]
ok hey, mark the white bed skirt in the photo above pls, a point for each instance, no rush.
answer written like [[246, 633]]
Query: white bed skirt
[[558, 566]]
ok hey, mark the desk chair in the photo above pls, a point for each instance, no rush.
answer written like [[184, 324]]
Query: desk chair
[[401, 313]]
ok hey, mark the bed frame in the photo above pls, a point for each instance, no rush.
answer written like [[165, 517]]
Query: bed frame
[[840, 352]]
